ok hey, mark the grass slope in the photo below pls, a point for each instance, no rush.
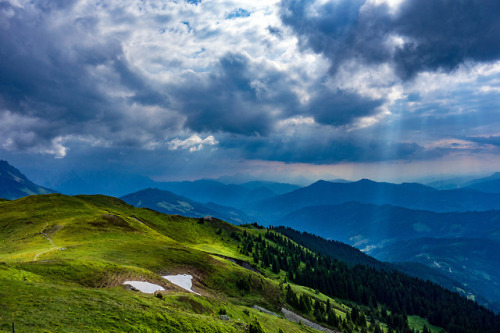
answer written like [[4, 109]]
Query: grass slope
[[63, 261], [87, 246]]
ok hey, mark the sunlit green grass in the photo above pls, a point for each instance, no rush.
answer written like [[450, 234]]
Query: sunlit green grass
[[40, 307], [76, 284], [418, 323], [100, 242]]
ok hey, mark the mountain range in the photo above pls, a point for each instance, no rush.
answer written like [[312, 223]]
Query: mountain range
[[369, 226], [378, 218], [409, 195], [489, 184], [237, 195], [170, 203], [14, 185]]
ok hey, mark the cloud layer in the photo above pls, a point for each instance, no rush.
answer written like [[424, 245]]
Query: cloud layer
[[293, 81], [414, 37]]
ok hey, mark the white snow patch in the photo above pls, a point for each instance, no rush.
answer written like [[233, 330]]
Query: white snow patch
[[145, 287], [181, 280]]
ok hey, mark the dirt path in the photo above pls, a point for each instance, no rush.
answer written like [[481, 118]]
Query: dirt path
[[49, 239]]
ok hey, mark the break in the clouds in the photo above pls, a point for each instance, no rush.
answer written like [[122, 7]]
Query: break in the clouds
[[294, 81], [193, 143]]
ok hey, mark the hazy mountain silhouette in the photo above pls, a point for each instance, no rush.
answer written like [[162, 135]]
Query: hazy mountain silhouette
[[277, 188], [370, 225], [489, 184], [14, 185], [409, 195], [170, 203], [207, 190]]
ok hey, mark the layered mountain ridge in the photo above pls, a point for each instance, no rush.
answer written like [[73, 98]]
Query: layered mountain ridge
[[375, 217]]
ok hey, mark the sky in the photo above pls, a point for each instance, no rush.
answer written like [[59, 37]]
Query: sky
[[290, 90]]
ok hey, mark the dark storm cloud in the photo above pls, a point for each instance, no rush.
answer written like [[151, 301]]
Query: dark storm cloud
[[77, 81], [38, 82], [339, 107], [88, 81], [438, 34], [243, 100], [328, 31], [143, 93], [233, 99], [49, 74], [447, 33]]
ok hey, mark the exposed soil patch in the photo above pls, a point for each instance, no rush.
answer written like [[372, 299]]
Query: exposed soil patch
[[109, 221]]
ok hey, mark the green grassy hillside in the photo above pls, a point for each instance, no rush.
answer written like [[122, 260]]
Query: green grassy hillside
[[64, 261]]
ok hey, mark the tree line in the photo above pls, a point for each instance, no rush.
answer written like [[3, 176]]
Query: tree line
[[388, 295]]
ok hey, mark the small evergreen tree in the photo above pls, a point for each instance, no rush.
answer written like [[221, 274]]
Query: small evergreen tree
[[332, 318]]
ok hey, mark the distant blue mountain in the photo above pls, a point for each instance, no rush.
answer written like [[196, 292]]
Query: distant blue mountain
[[449, 183], [489, 184], [469, 232], [170, 203], [240, 196], [276, 188], [101, 182], [353, 256], [205, 190], [409, 195], [368, 226], [473, 262], [14, 185], [459, 246]]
